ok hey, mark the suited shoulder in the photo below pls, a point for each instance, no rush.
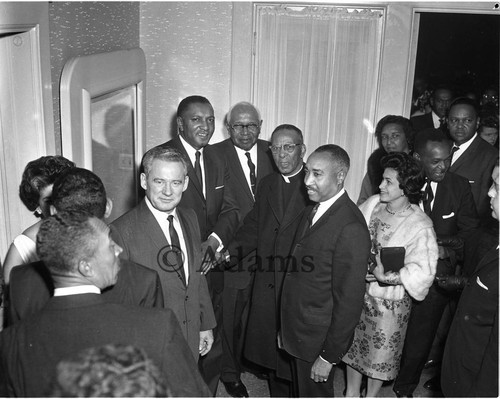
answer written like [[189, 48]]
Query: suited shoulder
[[456, 182], [125, 220], [137, 271], [486, 150], [221, 146]]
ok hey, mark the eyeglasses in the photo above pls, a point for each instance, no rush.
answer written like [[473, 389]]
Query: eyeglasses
[[286, 147], [251, 127]]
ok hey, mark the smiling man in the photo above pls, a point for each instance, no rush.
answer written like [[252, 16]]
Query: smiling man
[[211, 198], [324, 284], [165, 238], [449, 203]]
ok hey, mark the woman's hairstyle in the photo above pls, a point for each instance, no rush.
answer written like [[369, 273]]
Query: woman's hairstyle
[[114, 370], [38, 174], [410, 175], [399, 120]]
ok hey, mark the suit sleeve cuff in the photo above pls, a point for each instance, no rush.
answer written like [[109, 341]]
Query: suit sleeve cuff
[[322, 358], [221, 246]]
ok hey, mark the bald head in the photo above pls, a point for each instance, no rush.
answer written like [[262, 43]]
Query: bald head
[[243, 125]]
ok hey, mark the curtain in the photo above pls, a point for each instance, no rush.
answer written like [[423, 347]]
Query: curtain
[[316, 67]]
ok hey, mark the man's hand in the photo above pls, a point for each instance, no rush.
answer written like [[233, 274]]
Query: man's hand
[[208, 253], [206, 341], [320, 370]]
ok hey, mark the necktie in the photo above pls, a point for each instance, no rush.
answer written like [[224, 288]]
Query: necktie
[[453, 150], [197, 168], [312, 214], [253, 179], [442, 123], [176, 248], [429, 196]]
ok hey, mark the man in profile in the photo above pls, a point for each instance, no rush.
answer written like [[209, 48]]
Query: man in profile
[[31, 285], [269, 229], [326, 273], [83, 260], [249, 160]]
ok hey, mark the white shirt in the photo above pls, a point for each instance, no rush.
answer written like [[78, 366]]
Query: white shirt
[[244, 162], [433, 188], [77, 289], [161, 218], [191, 151], [435, 120], [463, 147], [325, 205]]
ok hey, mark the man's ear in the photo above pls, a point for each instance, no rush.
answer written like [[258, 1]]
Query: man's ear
[[109, 208], [52, 210], [180, 124], [341, 176], [186, 183], [85, 268], [143, 181]]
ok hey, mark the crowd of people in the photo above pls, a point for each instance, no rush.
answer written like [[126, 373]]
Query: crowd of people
[[246, 255]]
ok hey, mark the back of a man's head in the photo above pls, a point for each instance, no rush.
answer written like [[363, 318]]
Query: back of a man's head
[[79, 190], [66, 238]]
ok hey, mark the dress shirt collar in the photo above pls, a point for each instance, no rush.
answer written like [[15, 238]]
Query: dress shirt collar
[[242, 154], [160, 216], [77, 289], [191, 151], [325, 205], [435, 120], [287, 178], [462, 148]]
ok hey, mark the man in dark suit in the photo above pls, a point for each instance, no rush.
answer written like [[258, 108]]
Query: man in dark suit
[[473, 158], [83, 260], [450, 205], [209, 195], [267, 235], [324, 283], [166, 239], [440, 103], [470, 362], [249, 160], [31, 285]]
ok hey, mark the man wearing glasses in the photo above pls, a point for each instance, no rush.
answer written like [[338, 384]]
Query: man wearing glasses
[[269, 229], [249, 160]]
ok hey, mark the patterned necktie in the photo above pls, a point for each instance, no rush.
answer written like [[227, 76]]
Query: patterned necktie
[[197, 168], [253, 179], [176, 248], [429, 196]]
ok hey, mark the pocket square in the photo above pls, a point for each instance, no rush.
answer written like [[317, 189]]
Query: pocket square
[[471, 181], [449, 216], [480, 283], [219, 187]]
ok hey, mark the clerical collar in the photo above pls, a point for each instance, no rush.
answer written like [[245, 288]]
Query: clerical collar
[[76, 290], [287, 178]]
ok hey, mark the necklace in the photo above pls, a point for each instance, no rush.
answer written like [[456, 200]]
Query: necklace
[[397, 212]]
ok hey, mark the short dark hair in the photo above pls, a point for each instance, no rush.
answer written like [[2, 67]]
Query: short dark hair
[[162, 153], [38, 174], [488, 119], [81, 190], [441, 87], [337, 153], [66, 238], [188, 101], [286, 126], [410, 174], [113, 370], [427, 135], [399, 120], [465, 101]]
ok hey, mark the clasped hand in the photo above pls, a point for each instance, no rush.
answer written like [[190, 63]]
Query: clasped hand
[[320, 370], [210, 256]]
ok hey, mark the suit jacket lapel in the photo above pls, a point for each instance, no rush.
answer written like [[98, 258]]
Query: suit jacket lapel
[[324, 218], [440, 198], [469, 153], [150, 226], [275, 199]]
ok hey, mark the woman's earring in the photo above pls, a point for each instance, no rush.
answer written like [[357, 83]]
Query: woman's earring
[[38, 212]]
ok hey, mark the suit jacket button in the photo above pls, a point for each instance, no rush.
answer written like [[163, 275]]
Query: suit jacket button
[[466, 317], [187, 297], [276, 230], [184, 322], [271, 286]]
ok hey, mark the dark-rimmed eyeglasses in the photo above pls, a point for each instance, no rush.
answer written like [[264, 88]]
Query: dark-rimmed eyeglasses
[[251, 127]]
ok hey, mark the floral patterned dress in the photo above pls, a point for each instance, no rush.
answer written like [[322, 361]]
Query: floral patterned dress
[[380, 333]]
